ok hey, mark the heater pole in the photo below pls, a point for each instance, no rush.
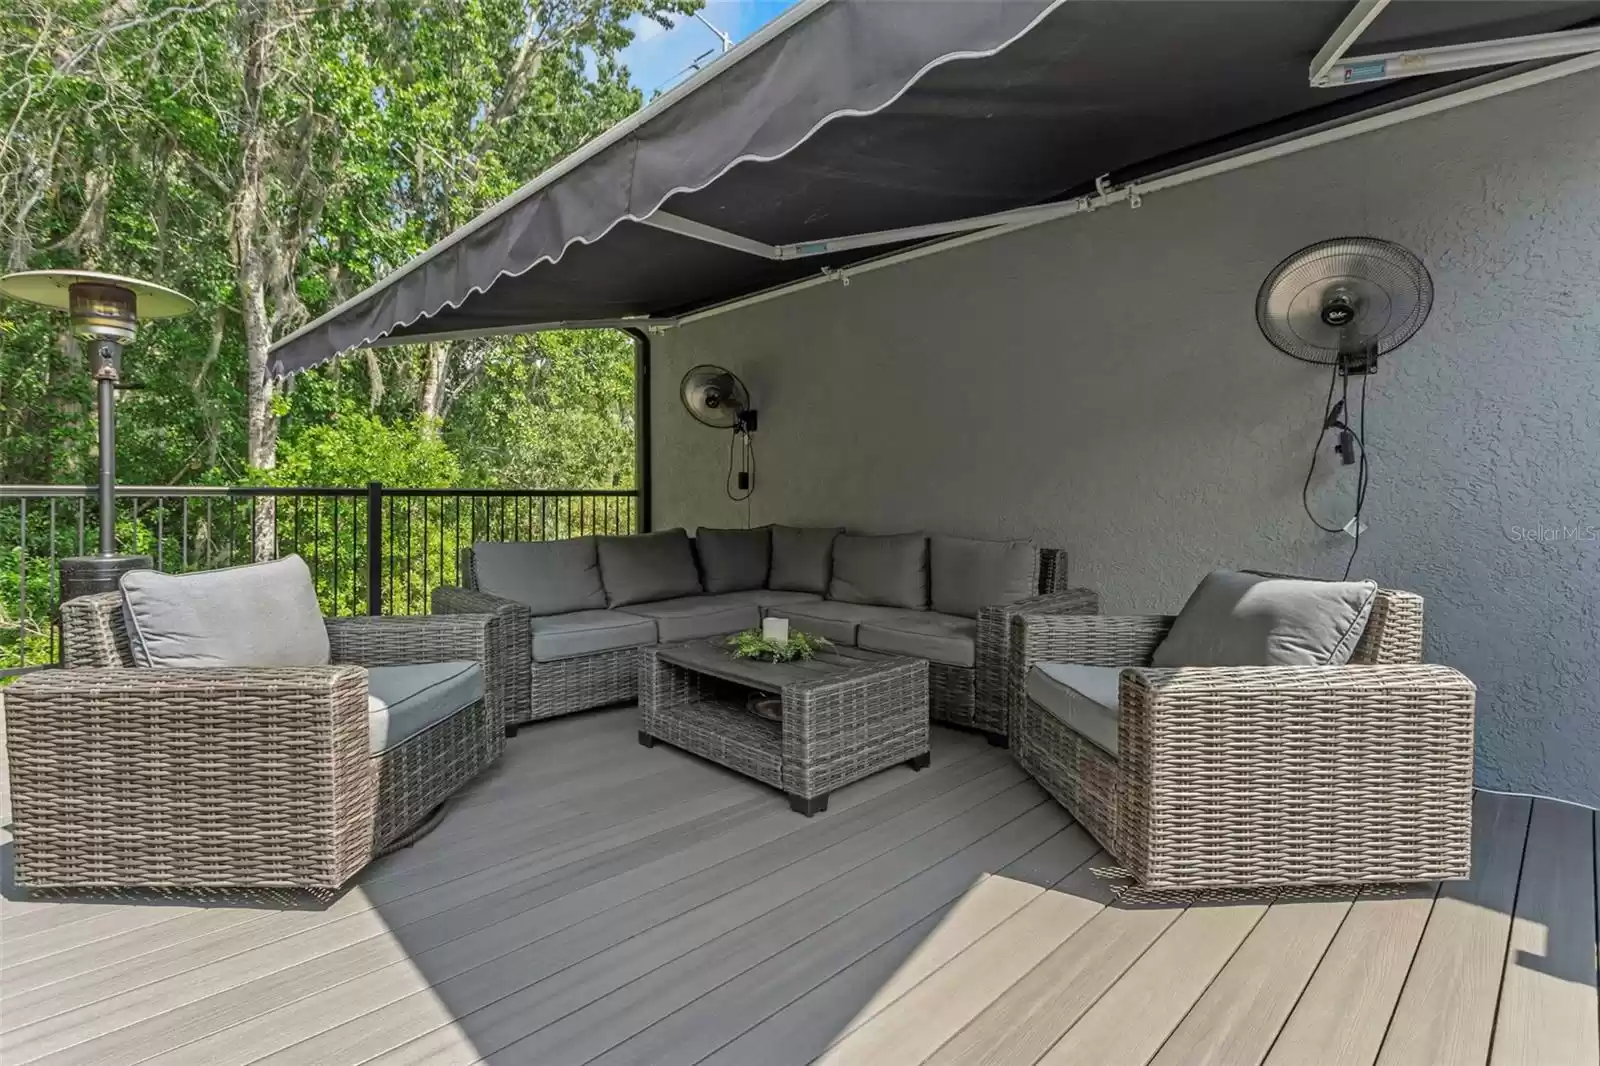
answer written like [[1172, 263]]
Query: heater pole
[[108, 466]]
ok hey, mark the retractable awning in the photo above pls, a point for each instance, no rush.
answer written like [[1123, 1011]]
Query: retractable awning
[[920, 117]]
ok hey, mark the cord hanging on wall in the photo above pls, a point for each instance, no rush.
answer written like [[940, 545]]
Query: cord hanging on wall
[[716, 398], [1344, 303]]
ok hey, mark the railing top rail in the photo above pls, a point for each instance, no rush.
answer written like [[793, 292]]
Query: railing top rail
[[175, 491]]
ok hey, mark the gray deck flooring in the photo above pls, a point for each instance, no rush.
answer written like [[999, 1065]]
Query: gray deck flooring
[[592, 901]]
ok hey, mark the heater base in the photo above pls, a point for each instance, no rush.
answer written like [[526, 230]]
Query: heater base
[[85, 575]]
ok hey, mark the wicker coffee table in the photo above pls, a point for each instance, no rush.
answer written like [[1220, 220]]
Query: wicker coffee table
[[846, 714]]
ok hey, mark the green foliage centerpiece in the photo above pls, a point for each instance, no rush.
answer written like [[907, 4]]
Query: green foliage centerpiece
[[753, 644]]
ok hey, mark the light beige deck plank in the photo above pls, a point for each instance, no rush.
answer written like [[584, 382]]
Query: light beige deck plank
[[589, 900], [806, 1027], [914, 1026], [408, 999], [1548, 1006], [1240, 1015], [274, 983], [1446, 1013], [699, 1028], [1345, 1011], [233, 956], [1130, 1022], [798, 1033], [1027, 1018], [922, 874]]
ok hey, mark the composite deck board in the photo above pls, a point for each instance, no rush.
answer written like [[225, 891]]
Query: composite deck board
[[1241, 1014], [1345, 1011], [915, 1025], [1131, 1021], [1548, 993], [592, 901], [1447, 1010]]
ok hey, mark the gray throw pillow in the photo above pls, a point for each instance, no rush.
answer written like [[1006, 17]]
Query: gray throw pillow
[[264, 614], [733, 560], [968, 575], [888, 570], [550, 576], [647, 567], [802, 559], [1236, 619]]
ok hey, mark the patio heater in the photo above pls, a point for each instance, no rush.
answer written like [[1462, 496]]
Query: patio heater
[[105, 310]]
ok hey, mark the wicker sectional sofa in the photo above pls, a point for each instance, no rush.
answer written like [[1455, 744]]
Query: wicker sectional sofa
[[1223, 776], [580, 640]]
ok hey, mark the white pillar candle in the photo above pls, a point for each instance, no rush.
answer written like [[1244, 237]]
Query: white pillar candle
[[775, 630]]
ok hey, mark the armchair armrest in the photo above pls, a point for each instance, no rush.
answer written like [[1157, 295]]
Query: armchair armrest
[[992, 652], [433, 638], [1290, 774], [221, 777], [516, 639]]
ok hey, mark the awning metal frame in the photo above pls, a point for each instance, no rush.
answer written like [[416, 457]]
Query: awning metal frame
[[1447, 99], [1329, 68]]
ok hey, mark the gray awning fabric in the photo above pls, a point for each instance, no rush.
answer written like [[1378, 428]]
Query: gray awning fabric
[[861, 115]]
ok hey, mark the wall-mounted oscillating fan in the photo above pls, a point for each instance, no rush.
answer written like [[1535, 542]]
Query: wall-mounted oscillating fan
[[1343, 303], [716, 398]]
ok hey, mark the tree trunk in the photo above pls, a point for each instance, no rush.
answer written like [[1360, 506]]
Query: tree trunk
[[250, 261], [375, 384], [433, 383]]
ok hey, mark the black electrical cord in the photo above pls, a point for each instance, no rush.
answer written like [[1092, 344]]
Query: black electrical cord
[[1322, 431], [749, 470], [1333, 416]]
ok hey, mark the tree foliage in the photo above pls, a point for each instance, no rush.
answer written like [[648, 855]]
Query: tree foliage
[[270, 158]]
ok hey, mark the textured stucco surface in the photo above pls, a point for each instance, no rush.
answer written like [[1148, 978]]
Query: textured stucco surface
[[1100, 384]]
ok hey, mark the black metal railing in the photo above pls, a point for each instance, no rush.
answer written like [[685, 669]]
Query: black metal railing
[[372, 550]]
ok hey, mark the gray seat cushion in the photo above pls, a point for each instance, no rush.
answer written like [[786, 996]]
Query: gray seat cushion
[[835, 620], [1082, 698], [939, 638], [966, 575], [698, 616], [734, 559], [802, 559], [1238, 619], [563, 636], [647, 567], [402, 701], [264, 614], [891, 571], [550, 576]]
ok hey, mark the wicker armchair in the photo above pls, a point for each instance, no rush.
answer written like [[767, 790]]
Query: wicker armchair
[[1261, 775], [232, 777]]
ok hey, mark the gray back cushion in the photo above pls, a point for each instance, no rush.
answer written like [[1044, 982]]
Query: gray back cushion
[[650, 566], [1237, 619], [265, 614], [969, 574], [732, 560], [889, 570], [550, 576], [802, 559]]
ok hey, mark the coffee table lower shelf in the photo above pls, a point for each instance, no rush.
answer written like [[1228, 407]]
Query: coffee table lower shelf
[[846, 715]]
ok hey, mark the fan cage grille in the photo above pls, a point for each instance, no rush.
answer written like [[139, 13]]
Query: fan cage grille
[[1382, 263]]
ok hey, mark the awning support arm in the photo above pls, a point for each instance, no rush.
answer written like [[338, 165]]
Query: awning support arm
[[1388, 66], [688, 227], [1353, 26]]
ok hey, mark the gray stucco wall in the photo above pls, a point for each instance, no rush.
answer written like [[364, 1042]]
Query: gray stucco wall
[[1100, 384]]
